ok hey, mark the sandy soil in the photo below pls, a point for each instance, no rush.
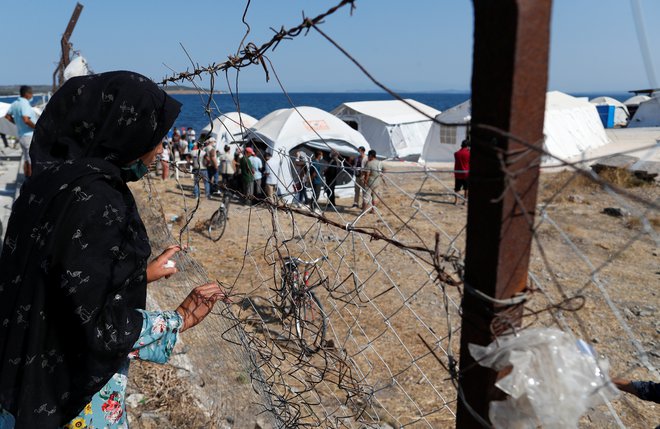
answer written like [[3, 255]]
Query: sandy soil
[[383, 305]]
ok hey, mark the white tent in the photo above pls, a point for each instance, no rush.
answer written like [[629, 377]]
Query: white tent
[[228, 128], [633, 103], [621, 114], [284, 132], [392, 127], [647, 114], [571, 126], [636, 100], [443, 140]]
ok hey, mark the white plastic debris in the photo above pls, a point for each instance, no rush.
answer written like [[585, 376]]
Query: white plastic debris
[[169, 264], [77, 67], [553, 381]]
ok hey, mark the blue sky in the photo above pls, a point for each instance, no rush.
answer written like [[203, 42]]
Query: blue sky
[[416, 45]]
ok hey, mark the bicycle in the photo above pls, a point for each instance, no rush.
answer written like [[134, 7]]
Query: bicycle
[[218, 220], [296, 297]]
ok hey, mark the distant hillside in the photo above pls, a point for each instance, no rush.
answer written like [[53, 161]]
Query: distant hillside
[[13, 89]]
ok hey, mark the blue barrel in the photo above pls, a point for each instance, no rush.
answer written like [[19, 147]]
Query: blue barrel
[[606, 114]]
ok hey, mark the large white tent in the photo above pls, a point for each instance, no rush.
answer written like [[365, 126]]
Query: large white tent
[[443, 140], [392, 127], [633, 103], [228, 128], [571, 126], [647, 114], [285, 132], [621, 114]]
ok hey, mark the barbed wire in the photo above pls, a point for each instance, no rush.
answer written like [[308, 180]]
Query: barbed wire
[[380, 277], [251, 54]]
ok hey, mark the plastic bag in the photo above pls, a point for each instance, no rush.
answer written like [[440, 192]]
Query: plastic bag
[[553, 381]]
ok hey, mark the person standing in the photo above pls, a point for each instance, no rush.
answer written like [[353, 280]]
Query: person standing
[[301, 164], [270, 173], [461, 171], [165, 159], [211, 159], [247, 175], [257, 168], [74, 288], [24, 117], [190, 137], [331, 173], [199, 171], [183, 146], [226, 167], [316, 177], [358, 165], [372, 178]]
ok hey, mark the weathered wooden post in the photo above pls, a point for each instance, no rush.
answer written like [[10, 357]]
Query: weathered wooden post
[[509, 79]]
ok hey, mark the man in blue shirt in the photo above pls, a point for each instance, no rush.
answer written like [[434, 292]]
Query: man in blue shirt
[[257, 167], [23, 115], [317, 179]]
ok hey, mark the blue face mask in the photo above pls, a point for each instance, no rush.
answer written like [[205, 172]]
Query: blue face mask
[[134, 172]]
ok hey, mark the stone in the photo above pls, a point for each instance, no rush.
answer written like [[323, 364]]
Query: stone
[[262, 423], [643, 170], [133, 400], [646, 170], [615, 212], [577, 199]]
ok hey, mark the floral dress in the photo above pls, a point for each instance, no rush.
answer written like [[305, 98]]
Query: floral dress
[[107, 409]]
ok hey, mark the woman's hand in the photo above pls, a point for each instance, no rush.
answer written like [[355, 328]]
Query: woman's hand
[[199, 303], [159, 267]]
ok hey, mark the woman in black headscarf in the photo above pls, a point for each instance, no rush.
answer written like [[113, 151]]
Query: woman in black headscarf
[[74, 271]]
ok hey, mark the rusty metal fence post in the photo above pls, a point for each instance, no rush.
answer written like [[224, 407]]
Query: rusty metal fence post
[[509, 80]]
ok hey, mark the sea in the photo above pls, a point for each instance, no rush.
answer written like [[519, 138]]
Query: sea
[[193, 112]]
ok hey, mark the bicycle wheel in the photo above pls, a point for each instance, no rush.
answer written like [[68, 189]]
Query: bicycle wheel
[[217, 224], [311, 322]]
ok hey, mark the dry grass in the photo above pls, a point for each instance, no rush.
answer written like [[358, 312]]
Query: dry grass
[[629, 277], [560, 187], [168, 401], [636, 223]]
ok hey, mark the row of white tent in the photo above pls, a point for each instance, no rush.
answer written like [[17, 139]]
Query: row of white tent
[[395, 129], [571, 126], [625, 113]]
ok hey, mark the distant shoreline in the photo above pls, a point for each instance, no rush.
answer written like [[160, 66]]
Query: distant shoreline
[[185, 91]]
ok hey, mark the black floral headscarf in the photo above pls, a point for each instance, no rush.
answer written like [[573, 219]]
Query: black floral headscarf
[[73, 265]]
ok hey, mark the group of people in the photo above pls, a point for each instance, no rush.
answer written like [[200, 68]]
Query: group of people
[[256, 174], [318, 174]]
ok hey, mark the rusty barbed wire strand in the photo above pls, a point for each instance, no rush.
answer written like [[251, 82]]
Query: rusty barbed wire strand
[[251, 54]]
